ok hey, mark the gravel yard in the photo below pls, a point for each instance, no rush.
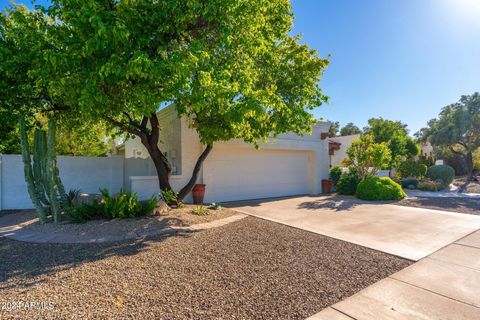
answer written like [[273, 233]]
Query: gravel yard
[[175, 217], [249, 269], [462, 205], [473, 187]]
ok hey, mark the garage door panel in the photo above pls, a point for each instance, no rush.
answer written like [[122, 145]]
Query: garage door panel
[[237, 174]]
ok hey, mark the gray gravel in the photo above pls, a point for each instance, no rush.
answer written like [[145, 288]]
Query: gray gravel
[[460, 205], [250, 269]]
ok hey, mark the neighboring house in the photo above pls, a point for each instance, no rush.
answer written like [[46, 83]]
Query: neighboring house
[[285, 166], [338, 147]]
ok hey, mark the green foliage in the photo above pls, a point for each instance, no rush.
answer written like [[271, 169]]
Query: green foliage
[[410, 183], [395, 135], [441, 172], [200, 211], [335, 174], [169, 196], [215, 206], [368, 157], [123, 205], [350, 129], [42, 177], [231, 67], [379, 188], [333, 130], [457, 128], [412, 168], [430, 185], [426, 160], [347, 184]]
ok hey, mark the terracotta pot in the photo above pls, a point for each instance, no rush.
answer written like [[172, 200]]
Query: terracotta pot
[[198, 192], [326, 186]]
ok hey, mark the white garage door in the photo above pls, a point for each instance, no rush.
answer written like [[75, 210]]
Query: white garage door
[[240, 174]]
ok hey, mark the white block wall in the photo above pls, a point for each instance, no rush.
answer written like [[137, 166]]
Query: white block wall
[[88, 174]]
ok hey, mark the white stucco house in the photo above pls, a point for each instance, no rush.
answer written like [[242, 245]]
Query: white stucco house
[[285, 166], [338, 148]]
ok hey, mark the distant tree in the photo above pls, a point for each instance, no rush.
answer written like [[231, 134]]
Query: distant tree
[[333, 131], [457, 128], [350, 129], [395, 135]]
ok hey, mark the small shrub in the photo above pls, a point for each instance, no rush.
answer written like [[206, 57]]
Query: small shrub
[[347, 184], [379, 188], [200, 211], [335, 174], [215, 206], [123, 205], [430, 185], [411, 168], [409, 183], [169, 196], [441, 172], [72, 196]]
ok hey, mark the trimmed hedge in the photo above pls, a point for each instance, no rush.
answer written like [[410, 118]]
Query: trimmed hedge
[[441, 172], [347, 184], [379, 188], [412, 168]]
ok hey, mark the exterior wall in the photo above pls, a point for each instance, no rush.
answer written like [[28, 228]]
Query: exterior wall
[[316, 166], [88, 174], [339, 155]]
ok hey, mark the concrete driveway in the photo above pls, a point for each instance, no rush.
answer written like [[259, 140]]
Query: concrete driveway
[[412, 233]]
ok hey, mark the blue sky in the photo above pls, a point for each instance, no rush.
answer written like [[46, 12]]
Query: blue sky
[[399, 59]]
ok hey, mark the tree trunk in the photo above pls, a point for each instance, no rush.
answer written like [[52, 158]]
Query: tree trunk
[[189, 186], [469, 178], [162, 166]]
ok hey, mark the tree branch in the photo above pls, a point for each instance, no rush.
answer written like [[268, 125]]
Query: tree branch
[[188, 187]]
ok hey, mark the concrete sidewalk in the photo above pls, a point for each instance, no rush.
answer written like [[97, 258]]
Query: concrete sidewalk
[[412, 233], [444, 285]]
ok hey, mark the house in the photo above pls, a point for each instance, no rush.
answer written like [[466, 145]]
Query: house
[[338, 147], [286, 166]]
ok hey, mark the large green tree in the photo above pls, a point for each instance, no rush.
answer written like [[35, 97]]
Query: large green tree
[[457, 128], [230, 66], [395, 135]]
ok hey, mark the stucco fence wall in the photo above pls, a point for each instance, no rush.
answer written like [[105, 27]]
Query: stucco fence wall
[[88, 174]]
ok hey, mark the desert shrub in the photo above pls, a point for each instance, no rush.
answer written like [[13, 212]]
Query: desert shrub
[[412, 168], [85, 212], [215, 206], [430, 185], [441, 172], [409, 183], [169, 196], [347, 184], [335, 174], [122, 205], [379, 188], [200, 211]]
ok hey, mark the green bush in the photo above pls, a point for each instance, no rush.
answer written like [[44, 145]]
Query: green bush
[[347, 184], [430, 185], [441, 172], [335, 174], [379, 188], [200, 211], [409, 183], [122, 205], [411, 168]]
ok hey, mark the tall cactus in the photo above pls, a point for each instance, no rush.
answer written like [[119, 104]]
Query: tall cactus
[[42, 177]]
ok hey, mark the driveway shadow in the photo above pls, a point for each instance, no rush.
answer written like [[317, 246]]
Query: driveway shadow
[[336, 202]]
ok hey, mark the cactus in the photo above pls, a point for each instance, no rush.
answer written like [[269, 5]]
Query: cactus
[[42, 176]]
